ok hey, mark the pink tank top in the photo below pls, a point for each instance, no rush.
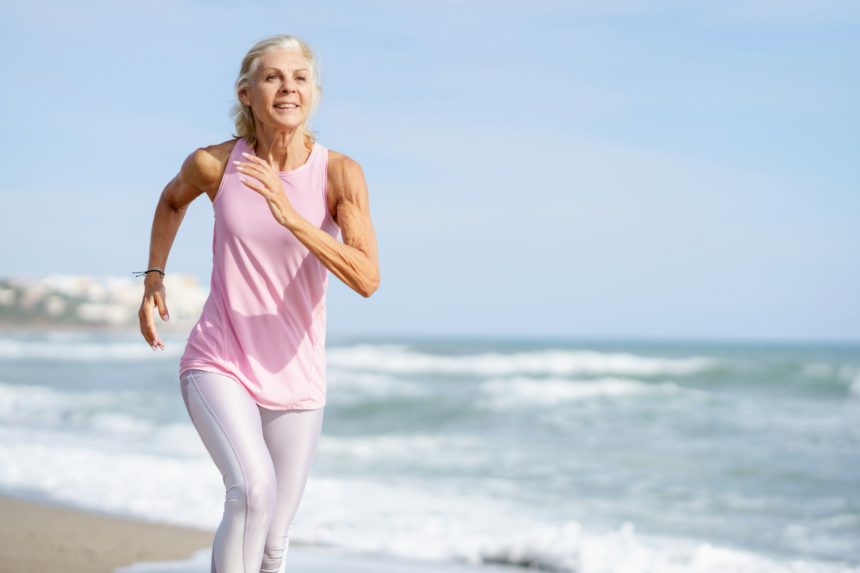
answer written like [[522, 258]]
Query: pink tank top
[[264, 322]]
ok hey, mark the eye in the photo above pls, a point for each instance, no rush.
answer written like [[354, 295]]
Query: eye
[[270, 76], [303, 78]]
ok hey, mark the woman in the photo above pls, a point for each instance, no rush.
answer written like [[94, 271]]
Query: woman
[[253, 372]]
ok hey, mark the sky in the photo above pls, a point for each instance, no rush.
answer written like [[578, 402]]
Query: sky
[[617, 169]]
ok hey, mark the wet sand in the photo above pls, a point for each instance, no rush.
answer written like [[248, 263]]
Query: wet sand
[[36, 537]]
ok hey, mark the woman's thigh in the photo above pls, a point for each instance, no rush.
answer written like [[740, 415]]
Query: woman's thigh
[[228, 421], [292, 437]]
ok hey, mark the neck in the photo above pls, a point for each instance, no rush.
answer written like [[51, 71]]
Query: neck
[[283, 149]]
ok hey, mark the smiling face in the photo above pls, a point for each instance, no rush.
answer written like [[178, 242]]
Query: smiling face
[[280, 90]]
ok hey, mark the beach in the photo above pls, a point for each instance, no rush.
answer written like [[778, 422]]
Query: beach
[[37, 536], [564, 455]]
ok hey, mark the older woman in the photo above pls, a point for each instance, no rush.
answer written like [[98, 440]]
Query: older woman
[[253, 373]]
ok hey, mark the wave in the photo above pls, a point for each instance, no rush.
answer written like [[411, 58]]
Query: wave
[[86, 350], [402, 360], [482, 522], [95, 416], [370, 385], [504, 393]]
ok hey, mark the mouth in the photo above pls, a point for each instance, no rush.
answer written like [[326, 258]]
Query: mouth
[[286, 106]]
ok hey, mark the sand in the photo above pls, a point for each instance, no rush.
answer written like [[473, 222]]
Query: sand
[[38, 537]]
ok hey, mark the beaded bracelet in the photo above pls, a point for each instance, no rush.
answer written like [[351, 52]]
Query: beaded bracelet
[[152, 270]]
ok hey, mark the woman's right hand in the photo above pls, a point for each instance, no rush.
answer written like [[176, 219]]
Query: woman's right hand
[[153, 295]]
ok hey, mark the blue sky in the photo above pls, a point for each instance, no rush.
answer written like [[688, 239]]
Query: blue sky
[[613, 169]]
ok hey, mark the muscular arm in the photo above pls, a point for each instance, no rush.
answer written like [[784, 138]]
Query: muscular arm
[[355, 261], [200, 171]]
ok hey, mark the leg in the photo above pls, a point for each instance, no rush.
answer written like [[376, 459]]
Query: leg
[[292, 437], [228, 421]]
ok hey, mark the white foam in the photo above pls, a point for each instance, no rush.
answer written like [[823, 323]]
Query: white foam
[[614, 552], [818, 369], [318, 560], [401, 360], [348, 384], [21, 404], [85, 350], [430, 451], [504, 393], [92, 411], [468, 527], [854, 387], [105, 476], [424, 520], [390, 358]]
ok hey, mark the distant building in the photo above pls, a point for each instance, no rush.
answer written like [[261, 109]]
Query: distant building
[[89, 301]]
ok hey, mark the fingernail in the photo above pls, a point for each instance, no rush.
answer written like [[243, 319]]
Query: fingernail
[[245, 154], [166, 317]]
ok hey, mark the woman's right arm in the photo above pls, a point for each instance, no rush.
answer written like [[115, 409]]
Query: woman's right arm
[[199, 172]]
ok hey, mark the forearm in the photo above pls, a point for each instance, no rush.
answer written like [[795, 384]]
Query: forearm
[[165, 225], [351, 265]]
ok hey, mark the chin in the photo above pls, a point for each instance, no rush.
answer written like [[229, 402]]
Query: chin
[[297, 120]]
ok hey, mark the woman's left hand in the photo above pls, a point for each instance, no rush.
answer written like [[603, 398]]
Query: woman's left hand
[[269, 185]]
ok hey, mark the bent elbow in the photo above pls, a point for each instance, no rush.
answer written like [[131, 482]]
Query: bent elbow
[[371, 286]]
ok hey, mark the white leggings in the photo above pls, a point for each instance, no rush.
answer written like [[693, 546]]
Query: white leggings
[[264, 457]]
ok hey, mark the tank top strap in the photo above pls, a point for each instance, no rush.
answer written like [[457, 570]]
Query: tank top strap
[[230, 169], [323, 186]]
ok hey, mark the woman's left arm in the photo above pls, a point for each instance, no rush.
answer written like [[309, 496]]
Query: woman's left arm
[[356, 260]]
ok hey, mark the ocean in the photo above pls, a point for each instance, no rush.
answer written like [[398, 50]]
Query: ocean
[[558, 455]]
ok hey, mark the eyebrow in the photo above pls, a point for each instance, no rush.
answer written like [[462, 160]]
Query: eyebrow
[[277, 70]]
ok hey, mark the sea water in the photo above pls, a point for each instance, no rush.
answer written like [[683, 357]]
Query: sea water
[[560, 455]]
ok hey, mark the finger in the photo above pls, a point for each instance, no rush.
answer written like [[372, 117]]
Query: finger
[[258, 163], [147, 323], [161, 302], [266, 164], [261, 169], [156, 301], [146, 335], [253, 185], [252, 169], [253, 158], [154, 340]]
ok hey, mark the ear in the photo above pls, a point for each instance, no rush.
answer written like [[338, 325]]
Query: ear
[[243, 96]]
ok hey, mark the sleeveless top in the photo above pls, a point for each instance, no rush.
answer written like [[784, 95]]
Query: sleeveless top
[[264, 322]]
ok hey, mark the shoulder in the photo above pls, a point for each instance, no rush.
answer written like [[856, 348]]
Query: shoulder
[[345, 173], [204, 167]]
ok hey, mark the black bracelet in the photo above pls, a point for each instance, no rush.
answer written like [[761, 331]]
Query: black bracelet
[[141, 273]]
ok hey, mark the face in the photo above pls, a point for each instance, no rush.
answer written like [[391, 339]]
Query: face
[[282, 76]]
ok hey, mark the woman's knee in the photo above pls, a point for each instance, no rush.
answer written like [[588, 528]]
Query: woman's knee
[[259, 494], [262, 495], [231, 438]]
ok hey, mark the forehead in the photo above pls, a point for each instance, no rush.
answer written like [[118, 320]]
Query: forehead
[[283, 59]]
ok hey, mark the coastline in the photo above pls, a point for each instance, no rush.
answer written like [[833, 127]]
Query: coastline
[[38, 536]]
